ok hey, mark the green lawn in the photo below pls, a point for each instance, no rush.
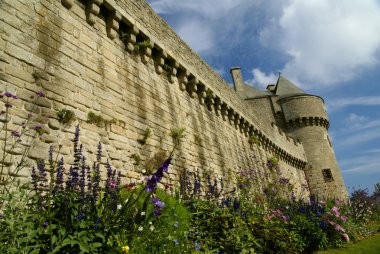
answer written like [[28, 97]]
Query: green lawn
[[371, 245]]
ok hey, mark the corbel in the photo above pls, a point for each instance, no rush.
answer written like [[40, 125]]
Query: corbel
[[130, 39], [113, 24], [218, 106], [236, 120], [246, 128], [67, 3], [241, 124], [183, 79], [201, 94], [224, 109], [172, 74], [92, 11], [160, 61], [192, 86], [210, 101], [231, 115], [147, 52]]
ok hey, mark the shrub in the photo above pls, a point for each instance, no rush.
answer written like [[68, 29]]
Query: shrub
[[66, 116]]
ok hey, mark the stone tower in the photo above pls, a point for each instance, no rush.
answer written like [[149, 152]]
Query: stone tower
[[303, 117], [306, 120]]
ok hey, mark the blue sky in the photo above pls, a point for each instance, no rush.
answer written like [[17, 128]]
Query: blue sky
[[330, 48]]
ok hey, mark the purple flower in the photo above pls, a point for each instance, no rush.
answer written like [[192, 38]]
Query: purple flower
[[40, 94], [165, 164], [151, 184], [158, 203], [283, 180], [45, 224], [15, 134], [343, 218], [37, 127], [8, 94]]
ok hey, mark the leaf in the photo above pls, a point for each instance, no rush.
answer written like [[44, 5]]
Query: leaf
[[84, 247], [62, 231]]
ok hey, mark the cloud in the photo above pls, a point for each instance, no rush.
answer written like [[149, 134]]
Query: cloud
[[204, 39], [261, 79], [353, 101], [354, 118], [328, 41], [318, 42], [360, 137], [369, 163]]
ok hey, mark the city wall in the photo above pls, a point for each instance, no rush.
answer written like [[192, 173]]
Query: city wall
[[83, 55]]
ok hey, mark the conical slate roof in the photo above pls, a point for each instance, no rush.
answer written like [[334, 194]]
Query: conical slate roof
[[251, 92], [285, 88]]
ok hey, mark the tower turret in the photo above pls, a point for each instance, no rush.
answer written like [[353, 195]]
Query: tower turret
[[306, 120]]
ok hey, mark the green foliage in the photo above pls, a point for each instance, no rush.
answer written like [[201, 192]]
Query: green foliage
[[167, 67], [141, 45], [178, 134], [254, 140], [98, 120], [147, 134], [66, 116], [272, 162], [136, 158], [220, 229], [166, 235]]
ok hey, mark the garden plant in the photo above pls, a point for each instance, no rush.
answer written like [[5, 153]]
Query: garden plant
[[90, 207]]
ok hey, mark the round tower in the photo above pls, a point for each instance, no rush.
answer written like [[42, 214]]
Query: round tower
[[306, 120]]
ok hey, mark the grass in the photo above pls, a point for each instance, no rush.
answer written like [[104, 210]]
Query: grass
[[370, 245]]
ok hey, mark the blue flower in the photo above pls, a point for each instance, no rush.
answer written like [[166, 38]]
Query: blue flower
[[197, 246]]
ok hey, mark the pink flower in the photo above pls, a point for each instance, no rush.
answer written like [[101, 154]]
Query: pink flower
[[339, 228], [112, 184], [338, 202], [335, 210], [343, 218], [346, 237], [331, 222]]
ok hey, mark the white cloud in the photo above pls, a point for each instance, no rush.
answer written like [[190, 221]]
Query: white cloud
[[360, 137], [261, 79], [356, 119], [369, 163], [353, 101], [325, 42], [204, 39], [328, 41]]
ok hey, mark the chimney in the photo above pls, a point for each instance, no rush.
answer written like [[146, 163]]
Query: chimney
[[237, 79]]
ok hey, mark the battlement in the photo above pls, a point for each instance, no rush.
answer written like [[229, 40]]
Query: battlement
[[121, 60], [187, 69]]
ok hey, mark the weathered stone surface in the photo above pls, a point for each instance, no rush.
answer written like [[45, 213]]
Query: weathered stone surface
[[89, 68]]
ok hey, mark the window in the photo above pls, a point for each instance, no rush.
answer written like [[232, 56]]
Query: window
[[327, 175]]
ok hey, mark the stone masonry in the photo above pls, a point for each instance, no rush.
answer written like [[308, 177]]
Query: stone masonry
[[120, 60]]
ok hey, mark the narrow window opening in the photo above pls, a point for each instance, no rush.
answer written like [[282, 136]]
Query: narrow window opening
[[327, 175]]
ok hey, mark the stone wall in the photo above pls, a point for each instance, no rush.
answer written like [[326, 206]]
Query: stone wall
[[74, 52]]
